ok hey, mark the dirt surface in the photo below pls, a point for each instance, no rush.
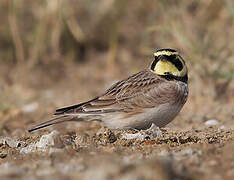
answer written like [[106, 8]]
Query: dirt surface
[[193, 146], [203, 153]]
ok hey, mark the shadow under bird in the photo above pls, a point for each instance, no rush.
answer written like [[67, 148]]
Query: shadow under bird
[[154, 95]]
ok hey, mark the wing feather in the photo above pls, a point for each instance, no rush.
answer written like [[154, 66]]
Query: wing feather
[[141, 90]]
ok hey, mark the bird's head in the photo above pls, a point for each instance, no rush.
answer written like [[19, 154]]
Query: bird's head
[[169, 64]]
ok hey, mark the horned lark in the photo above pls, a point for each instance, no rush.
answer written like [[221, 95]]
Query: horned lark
[[154, 95]]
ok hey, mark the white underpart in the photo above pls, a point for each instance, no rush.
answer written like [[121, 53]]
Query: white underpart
[[160, 116]]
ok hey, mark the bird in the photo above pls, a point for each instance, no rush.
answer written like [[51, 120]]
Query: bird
[[152, 96]]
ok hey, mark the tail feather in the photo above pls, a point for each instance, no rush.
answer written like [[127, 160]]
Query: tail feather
[[83, 111], [73, 107], [56, 120]]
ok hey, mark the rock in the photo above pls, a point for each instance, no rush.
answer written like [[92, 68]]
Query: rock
[[222, 128], [28, 149], [3, 155], [30, 107], [211, 122], [47, 141], [10, 142], [140, 136]]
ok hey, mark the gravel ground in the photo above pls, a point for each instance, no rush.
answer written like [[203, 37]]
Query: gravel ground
[[198, 144]]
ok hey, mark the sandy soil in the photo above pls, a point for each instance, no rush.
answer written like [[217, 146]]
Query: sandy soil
[[198, 144]]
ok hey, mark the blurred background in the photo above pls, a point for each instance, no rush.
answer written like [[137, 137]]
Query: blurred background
[[58, 52]]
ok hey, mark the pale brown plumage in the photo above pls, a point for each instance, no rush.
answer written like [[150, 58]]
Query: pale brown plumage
[[128, 99]]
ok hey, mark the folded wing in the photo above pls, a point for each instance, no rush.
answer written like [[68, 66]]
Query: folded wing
[[124, 96]]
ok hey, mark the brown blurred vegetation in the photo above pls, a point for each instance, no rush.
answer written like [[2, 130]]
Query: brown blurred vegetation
[[82, 44], [36, 32]]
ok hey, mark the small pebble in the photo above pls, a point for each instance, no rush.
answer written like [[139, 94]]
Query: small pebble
[[10, 142], [211, 122], [46, 141], [30, 107], [140, 136], [3, 155]]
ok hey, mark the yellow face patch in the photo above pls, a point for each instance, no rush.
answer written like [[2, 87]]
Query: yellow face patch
[[163, 67]]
